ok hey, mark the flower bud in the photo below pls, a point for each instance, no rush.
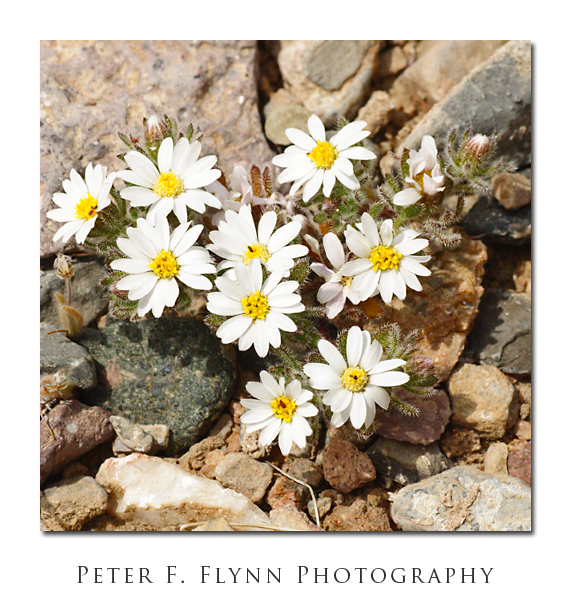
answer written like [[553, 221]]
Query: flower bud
[[63, 267], [155, 132], [475, 149]]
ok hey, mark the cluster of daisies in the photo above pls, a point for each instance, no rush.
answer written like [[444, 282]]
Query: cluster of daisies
[[250, 262]]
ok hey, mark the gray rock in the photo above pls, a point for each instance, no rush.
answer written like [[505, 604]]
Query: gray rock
[[329, 63], [440, 65], [132, 437], [59, 353], [501, 334], [305, 470], [88, 295], [244, 475], [69, 503], [494, 98], [407, 463], [483, 399], [77, 428], [328, 105], [90, 90], [170, 371], [492, 223], [423, 429], [279, 117], [464, 499]]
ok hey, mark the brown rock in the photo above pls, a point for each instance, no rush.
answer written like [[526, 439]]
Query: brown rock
[[513, 191], [345, 467], [287, 493], [283, 517], [78, 428], [460, 441], [70, 503], [425, 428], [444, 310], [519, 463], [359, 516], [195, 457], [483, 399], [376, 112], [244, 475]]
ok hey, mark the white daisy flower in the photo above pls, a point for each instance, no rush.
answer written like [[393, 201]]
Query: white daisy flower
[[355, 386], [81, 202], [337, 288], [238, 240], [176, 183], [279, 410], [314, 162], [386, 263], [159, 259], [258, 309], [425, 174]]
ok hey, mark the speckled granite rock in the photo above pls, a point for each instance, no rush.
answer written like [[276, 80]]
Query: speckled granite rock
[[90, 90], [464, 499], [170, 371]]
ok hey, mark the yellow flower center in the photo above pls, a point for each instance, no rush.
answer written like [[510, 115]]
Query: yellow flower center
[[385, 257], [284, 408], [168, 185], [346, 281], [323, 155], [354, 379], [255, 306], [86, 208], [256, 251], [165, 265]]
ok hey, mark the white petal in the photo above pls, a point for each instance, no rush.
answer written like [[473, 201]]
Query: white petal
[[233, 328], [354, 345], [332, 355]]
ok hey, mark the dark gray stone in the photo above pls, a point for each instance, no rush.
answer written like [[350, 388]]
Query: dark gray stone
[[464, 499], [492, 223], [495, 98], [501, 334], [57, 352], [170, 371], [406, 463]]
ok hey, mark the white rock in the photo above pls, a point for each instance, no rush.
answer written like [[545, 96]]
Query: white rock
[[148, 491]]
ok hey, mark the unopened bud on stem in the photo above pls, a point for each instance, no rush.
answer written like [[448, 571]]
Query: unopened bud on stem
[[476, 148]]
